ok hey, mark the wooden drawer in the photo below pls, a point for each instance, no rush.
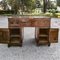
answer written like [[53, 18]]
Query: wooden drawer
[[4, 35], [25, 22], [42, 22], [13, 22], [53, 35]]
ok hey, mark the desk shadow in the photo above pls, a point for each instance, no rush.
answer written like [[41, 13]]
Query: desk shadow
[[29, 42]]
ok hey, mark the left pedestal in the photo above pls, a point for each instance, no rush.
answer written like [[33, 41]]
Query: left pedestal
[[15, 33]]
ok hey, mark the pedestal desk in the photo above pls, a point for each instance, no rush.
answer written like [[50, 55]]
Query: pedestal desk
[[44, 34]]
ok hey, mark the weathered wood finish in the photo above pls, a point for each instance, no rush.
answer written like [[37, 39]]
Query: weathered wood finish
[[15, 33], [29, 22], [4, 36], [42, 36], [42, 22], [53, 35]]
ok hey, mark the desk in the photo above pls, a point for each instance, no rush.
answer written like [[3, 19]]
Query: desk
[[38, 23], [43, 33]]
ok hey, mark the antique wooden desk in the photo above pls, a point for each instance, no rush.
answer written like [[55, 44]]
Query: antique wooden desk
[[44, 34]]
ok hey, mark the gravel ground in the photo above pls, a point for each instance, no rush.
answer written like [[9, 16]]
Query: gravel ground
[[29, 51]]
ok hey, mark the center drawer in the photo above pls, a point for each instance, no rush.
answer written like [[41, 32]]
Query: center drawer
[[25, 22]]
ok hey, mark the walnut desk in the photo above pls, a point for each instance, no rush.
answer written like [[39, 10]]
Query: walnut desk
[[43, 33]]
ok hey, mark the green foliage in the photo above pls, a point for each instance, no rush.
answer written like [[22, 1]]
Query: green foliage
[[24, 5], [15, 4], [30, 4], [51, 5], [4, 4], [58, 2], [6, 12], [53, 11]]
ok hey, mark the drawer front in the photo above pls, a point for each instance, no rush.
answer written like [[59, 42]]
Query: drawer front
[[4, 36], [25, 22], [13, 22], [42, 23], [53, 35]]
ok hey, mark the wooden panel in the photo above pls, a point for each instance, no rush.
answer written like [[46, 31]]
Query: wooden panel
[[30, 22], [24, 22], [53, 35], [15, 35], [15, 32], [42, 36], [4, 35], [27, 22], [13, 22], [42, 22]]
